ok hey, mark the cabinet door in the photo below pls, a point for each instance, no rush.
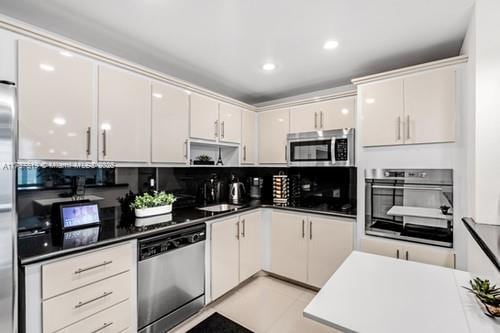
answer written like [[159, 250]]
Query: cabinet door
[[382, 247], [250, 245], [382, 113], [430, 107], [124, 116], [273, 129], [289, 246], [204, 115], [230, 123], [225, 256], [305, 118], [56, 94], [248, 137], [330, 243], [337, 113], [429, 255], [170, 124]]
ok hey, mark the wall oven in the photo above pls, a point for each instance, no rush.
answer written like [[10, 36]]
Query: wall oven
[[410, 204], [321, 148]]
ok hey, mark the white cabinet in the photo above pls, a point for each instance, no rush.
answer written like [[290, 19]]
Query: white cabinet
[[225, 256], [409, 251], [248, 137], [330, 243], [236, 251], [289, 245], [419, 108], [204, 117], [169, 124], [328, 115], [250, 244], [124, 116], [382, 108], [273, 130], [309, 248], [230, 123], [56, 104], [430, 107]]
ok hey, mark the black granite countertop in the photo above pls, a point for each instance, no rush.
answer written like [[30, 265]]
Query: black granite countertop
[[37, 242], [488, 238]]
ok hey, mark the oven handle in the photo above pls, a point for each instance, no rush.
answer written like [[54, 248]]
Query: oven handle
[[424, 188]]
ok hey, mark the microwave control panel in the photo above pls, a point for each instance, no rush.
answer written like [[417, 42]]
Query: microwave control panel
[[341, 150]]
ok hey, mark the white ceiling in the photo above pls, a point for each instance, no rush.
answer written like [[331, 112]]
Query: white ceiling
[[221, 44]]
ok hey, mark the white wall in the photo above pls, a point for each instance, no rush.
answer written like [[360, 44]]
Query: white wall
[[487, 136]]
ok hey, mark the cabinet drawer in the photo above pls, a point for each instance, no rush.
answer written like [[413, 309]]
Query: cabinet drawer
[[113, 320], [64, 310], [75, 272]]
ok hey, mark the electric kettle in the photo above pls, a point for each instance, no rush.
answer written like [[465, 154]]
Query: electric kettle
[[236, 191]]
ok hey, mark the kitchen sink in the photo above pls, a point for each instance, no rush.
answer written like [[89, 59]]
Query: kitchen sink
[[219, 208]]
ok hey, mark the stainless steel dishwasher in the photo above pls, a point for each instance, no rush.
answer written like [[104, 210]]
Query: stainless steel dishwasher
[[171, 278]]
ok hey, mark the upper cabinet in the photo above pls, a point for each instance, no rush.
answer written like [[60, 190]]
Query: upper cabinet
[[248, 137], [328, 115], [419, 108], [204, 122], [229, 123], [273, 131], [56, 104], [170, 124], [124, 116]]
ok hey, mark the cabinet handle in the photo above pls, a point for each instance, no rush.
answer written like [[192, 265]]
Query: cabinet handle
[[237, 230], [186, 151], [216, 132], [105, 294], [103, 142], [408, 127], [321, 119], [244, 153], [310, 230], [397, 253], [81, 270], [105, 325], [222, 129], [454, 260], [286, 153], [88, 140], [243, 228], [315, 120], [407, 255], [303, 229], [398, 124]]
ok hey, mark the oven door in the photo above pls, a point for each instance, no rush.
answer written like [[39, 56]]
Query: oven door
[[317, 152]]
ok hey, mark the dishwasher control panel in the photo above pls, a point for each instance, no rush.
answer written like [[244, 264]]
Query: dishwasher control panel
[[151, 247]]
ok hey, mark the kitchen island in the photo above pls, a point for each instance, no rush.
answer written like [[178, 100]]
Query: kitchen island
[[376, 294]]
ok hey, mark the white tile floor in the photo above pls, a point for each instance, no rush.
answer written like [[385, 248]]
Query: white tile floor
[[263, 305]]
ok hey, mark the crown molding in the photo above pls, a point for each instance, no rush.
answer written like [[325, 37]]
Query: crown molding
[[411, 70], [30, 31]]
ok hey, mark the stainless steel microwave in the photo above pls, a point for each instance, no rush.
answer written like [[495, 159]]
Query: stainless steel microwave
[[321, 148]]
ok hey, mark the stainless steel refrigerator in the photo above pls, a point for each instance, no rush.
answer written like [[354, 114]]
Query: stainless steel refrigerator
[[8, 219]]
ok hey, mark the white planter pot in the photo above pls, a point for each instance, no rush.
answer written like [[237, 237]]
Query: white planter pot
[[152, 211]]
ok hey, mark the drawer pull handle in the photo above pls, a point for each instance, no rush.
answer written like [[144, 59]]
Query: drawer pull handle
[[81, 270], [105, 294], [105, 325]]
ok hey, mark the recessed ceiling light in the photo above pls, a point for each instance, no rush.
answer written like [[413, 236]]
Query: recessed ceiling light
[[46, 67], [269, 66], [52, 151], [187, 92], [370, 100], [157, 95], [344, 111], [59, 121], [330, 45], [66, 53]]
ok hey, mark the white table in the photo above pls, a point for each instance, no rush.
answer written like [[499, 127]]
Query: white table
[[376, 294]]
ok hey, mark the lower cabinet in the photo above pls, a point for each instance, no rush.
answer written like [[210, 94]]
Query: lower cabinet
[[308, 248], [236, 247], [409, 251]]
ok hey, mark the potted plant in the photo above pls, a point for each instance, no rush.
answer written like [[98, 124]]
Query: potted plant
[[488, 294], [203, 160], [153, 204]]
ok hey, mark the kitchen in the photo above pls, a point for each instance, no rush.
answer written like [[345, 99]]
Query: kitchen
[[141, 192]]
